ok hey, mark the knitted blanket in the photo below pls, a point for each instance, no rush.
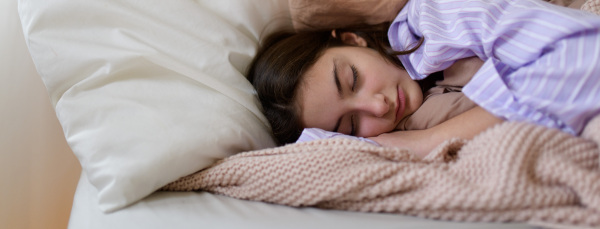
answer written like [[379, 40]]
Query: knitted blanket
[[513, 172], [592, 6]]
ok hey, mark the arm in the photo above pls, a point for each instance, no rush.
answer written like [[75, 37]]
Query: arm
[[328, 14], [421, 142], [526, 74]]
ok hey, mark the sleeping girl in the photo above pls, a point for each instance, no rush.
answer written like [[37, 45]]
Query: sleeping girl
[[522, 60]]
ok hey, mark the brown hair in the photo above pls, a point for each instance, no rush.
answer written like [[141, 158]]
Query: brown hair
[[284, 57]]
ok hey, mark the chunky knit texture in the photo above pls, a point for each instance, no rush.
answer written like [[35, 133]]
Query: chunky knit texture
[[512, 172], [592, 6]]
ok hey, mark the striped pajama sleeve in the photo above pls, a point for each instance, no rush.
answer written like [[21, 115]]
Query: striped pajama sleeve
[[541, 61]]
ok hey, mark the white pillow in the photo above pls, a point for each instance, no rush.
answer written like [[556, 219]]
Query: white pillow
[[149, 91]]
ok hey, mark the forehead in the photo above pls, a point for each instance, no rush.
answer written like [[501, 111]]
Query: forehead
[[323, 68]]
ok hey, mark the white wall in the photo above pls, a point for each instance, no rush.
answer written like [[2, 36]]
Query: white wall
[[38, 171]]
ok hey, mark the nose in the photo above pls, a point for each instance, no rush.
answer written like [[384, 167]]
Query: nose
[[376, 105]]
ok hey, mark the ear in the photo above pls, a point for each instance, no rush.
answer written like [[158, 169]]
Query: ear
[[351, 38]]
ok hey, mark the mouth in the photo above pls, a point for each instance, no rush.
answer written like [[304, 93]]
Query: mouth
[[400, 104]]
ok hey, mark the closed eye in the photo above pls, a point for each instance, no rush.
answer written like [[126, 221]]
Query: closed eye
[[354, 82], [354, 76]]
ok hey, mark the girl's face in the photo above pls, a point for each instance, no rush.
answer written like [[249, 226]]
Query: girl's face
[[354, 90]]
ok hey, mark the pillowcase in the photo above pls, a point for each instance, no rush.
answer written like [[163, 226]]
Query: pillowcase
[[150, 91]]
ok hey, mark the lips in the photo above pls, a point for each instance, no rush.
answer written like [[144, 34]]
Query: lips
[[400, 104]]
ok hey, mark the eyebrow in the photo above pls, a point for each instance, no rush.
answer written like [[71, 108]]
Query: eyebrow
[[339, 89]]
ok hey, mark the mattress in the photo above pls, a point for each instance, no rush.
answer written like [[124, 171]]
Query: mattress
[[205, 210]]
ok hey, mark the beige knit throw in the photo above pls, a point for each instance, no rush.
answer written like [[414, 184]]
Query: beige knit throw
[[592, 6], [513, 172]]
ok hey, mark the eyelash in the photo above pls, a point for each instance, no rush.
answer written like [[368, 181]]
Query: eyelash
[[355, 79], [354, 76]]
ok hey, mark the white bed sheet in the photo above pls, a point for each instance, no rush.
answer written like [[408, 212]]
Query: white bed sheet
[[205, 210]]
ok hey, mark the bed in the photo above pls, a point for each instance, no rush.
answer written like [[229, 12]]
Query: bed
[[206, 210], [148, 92]]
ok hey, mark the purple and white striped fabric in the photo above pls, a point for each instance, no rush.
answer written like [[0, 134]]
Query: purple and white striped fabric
[[310, 134], [542, 61]]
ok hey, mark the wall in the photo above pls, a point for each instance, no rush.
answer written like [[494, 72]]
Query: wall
[[38, 171]]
